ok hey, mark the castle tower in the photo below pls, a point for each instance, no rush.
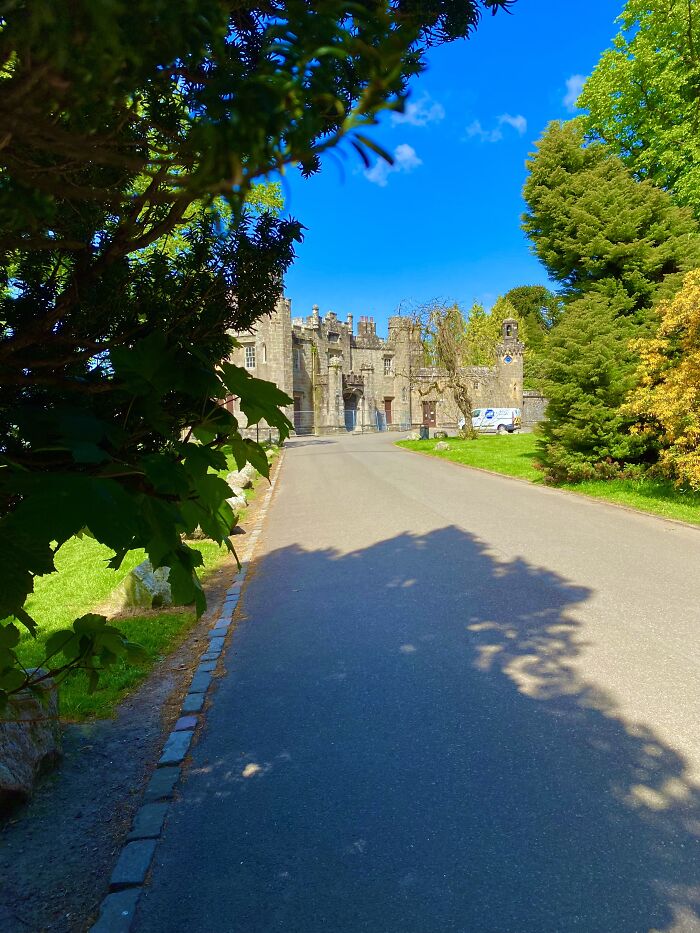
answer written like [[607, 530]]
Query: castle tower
[[509, 365]]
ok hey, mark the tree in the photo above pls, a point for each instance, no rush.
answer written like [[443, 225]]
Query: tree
[[448, 352], [133, 136], [481, 336], [643, 98], [588, 371], [616, 245], [666, 401], [538, 310], [595, 228]]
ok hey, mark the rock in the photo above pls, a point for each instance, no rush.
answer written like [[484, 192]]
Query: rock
[[143, 588], [30, 741], [242, 479], [440, 434], [196, 535], [442, 446], [237, 492], [237, 503], [413, 436], [270, 454]]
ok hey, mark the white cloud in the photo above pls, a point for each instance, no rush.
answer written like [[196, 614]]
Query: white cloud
[[518, 122], [420, 112], [495, 135], [405, 160], [574, 86], [475, 129]]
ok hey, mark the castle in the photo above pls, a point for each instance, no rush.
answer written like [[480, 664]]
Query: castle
[[342, 380]]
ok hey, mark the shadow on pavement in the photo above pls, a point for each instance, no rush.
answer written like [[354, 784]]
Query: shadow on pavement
[[403, 746]]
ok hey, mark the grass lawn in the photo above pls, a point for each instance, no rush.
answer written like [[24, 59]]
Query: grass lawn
[[512, 454], [515, 455], [82, 583]]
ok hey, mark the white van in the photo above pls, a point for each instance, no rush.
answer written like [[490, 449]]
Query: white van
[[497, 420]]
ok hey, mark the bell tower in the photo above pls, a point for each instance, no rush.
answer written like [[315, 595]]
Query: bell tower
[[509, 365]]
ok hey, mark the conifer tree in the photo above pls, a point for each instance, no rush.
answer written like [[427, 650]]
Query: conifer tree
[[615, 245]]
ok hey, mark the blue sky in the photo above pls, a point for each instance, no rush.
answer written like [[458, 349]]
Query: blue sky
[[446, 222]]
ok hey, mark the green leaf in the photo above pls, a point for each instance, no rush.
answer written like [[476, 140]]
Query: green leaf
[[9, 635]]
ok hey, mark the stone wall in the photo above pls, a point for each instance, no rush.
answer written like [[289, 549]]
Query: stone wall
[[345, 380], [534, 408]]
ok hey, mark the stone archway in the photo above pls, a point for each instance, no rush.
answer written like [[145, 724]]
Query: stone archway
[[350, 405]]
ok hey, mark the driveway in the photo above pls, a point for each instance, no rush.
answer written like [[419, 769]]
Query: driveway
[[452, 702]]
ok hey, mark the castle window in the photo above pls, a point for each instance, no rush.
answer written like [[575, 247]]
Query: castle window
[[333, 338], [403, 394], [509, 330], [387, 365], [297, 359], [250, 356], [264, 353]]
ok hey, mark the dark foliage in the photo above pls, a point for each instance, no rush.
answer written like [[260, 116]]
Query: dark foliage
[[131, 136]]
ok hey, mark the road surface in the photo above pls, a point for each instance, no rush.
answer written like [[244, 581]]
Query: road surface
[[454, 703]]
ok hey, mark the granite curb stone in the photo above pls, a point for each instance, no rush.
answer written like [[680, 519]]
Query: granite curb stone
[[133, 864], [117, 912], [200, 682], [185, 722], [175, 748], [193, 703], [162, 784], [149, 821]]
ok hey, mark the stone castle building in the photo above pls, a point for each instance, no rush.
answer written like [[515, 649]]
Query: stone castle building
[[342, 379]]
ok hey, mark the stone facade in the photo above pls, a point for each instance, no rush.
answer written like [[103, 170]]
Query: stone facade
[[347, 379]]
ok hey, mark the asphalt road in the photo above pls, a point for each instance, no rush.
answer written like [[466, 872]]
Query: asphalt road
[[455, 702]]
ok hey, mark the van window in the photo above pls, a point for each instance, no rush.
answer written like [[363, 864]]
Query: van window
[[476, 413]]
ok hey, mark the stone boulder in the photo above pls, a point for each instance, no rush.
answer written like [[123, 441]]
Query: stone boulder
[[442, 446], [242, 479], [413, 436], [30, 741], [142, 588], [237, 503]]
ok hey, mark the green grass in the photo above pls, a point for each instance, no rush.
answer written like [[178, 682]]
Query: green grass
[[658, 496], [83, 582], [515, 455], [511, 454]]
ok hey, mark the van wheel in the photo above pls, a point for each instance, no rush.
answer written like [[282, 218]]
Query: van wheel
[[500, 429]]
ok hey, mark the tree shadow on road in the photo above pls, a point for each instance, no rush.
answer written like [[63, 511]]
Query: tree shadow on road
[[414, 752]]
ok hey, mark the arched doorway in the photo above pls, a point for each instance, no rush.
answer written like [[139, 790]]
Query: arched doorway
[[350, 405]]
